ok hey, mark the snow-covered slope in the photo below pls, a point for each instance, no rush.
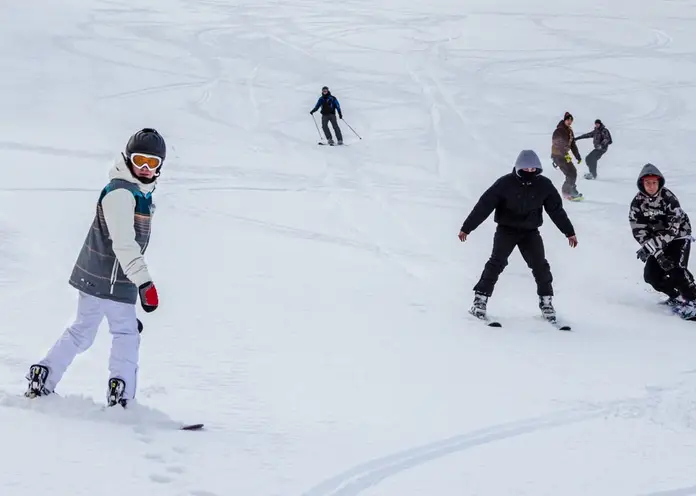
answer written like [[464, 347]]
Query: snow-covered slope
[[313, 299]]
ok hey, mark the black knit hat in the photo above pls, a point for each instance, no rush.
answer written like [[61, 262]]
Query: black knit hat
[[567, 116], [597, 121]]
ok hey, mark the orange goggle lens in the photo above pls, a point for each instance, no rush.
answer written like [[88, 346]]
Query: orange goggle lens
[[142, 161]]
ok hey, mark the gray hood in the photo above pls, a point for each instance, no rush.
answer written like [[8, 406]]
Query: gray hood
[[649, 170]]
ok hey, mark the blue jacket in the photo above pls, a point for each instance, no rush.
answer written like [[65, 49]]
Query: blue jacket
[[329, 105]]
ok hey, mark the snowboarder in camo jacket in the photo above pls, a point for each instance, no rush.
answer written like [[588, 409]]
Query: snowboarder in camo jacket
[[601, 139], [110, 274], [329, 106], [663, 230], [562, 143]]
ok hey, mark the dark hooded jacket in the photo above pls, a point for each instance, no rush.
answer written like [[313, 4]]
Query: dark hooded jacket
[[518, 199], [563, 141], [658, 217], [601, 138]]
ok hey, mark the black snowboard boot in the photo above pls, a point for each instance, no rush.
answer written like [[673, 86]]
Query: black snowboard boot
[[116, 388], [37, 381]]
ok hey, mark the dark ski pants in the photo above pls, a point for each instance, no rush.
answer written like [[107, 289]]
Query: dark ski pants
[[591, 160], [531, 247], [571, 174], [678, 281], [325, 119]]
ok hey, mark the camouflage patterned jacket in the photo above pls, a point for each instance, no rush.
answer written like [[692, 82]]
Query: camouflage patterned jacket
[[660, 217]]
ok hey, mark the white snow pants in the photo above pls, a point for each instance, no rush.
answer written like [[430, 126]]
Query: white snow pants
[[79, 336]]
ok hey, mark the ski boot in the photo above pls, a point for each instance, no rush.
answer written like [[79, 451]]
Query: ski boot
[[588, 175], [478, 309], [340, 142], [115, 396], [37, 381], [331, 142], [546, 307]]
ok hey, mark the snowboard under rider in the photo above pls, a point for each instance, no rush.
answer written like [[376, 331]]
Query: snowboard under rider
[[110, 274]]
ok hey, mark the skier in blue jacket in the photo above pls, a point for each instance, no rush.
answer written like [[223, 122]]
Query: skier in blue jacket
[[329, 105]]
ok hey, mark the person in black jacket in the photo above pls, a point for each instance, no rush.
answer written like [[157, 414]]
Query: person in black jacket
[[517, 199], [329, 106], [601, 139]]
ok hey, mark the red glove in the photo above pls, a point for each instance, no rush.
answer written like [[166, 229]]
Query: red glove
[[148, 296]]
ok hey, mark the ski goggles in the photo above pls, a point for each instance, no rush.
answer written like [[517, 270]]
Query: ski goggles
[[145, 161]]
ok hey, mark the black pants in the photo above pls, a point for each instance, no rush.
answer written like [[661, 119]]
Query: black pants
[[678, 281], [571, 174], [592, 159], [325, 119], [531, 247]]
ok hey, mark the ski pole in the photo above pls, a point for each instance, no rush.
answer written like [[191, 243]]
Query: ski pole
[[351, 128], [317, 126]]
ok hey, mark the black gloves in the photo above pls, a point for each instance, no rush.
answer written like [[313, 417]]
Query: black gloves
[[650, 248]]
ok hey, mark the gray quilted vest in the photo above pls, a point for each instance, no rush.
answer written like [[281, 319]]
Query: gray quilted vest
[[97, 271]]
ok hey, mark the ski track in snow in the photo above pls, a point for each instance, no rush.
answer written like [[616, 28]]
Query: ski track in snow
[[443, 108]]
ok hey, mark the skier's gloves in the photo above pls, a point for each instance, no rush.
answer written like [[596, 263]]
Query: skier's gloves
[[579, 161], [340, 115], [311, 112], [568, 157], [148, 296], [665, 263], [140, 326]]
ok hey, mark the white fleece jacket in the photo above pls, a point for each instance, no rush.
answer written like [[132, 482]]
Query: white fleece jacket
[[119, 208]]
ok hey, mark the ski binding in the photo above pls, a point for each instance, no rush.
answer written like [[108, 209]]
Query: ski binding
[[487, 320]]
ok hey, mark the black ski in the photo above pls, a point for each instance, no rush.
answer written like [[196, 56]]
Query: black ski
[[554, 322], [192, 427]]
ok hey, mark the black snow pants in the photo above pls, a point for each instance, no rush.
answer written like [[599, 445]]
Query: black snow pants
[[592, 159], [677, 282], [325, 119], [531, 246], [570, 172]]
